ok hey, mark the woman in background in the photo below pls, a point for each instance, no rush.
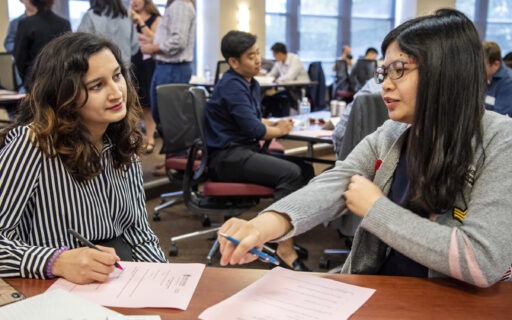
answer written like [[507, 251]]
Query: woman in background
[[33, 33], [432, 184], [70, 162], [109, 18], [146, 17]]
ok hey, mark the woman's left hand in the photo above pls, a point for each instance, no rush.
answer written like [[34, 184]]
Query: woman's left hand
[[361, 194]]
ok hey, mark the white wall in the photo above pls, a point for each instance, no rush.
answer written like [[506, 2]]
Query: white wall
[[218, 17]]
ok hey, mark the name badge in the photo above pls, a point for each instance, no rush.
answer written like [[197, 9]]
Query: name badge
[[490, 100]]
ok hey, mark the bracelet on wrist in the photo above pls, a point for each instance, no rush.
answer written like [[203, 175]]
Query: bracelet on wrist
[[142, 26], [48, 270]]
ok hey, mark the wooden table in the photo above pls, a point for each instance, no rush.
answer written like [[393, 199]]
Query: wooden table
[[395, 298]]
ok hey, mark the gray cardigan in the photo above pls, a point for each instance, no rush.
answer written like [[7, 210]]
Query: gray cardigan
[[471, 242], [119, 30]]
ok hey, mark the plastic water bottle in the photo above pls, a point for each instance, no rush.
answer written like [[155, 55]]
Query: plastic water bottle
[[207, 74], [304, 111]]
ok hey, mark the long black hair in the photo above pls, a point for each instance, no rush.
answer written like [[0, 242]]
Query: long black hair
[[449, 104], [110, 8]]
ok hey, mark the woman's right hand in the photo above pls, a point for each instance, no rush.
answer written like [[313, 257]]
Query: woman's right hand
[[85, 265], [249, 236]]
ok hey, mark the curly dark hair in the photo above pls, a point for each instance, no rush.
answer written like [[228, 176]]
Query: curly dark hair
[[51, 107]]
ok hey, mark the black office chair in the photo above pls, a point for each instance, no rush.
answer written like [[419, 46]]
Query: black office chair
[[204, 197], [368, 113], [342, 88], [361, 72], [8, 74], [222, 67], [177, 132]]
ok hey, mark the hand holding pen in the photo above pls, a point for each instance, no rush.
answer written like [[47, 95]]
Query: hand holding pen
[[260, 254], [89, 244], [86, 265]]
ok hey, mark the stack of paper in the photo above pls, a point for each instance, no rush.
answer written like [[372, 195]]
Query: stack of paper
[[56, 305], [286, 294]]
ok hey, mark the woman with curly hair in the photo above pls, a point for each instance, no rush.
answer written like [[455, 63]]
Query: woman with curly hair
[[70, 162]]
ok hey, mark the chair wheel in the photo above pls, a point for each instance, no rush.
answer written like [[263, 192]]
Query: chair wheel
[[207, 222], [156, 217], [173, 250], [324, 262]]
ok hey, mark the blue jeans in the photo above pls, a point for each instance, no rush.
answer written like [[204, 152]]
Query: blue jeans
[[167, 73]]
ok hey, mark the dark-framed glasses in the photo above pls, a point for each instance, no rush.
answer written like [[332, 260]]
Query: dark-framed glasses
[[394, 71]]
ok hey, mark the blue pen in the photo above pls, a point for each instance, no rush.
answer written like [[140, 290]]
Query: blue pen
[[261, 255]]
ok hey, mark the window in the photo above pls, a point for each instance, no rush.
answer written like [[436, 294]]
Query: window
[[371, 22], [499, 24], [15, 8], [493, 19], [324, 26]]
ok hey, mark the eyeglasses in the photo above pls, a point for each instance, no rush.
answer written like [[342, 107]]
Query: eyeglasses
[[394, 71]]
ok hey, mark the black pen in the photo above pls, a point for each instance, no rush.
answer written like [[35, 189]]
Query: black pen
[[88, 243]]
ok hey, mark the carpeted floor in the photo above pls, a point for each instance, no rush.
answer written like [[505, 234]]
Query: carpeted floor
[[178, 220]]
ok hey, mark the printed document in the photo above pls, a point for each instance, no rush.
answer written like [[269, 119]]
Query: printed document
[[56, 305], [287, 294], [142, 285]]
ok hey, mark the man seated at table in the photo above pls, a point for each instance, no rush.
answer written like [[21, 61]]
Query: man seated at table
[[498, 96], [287, 67], [234, 127]]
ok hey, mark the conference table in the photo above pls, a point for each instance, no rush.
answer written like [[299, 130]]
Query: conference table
[[8, 102], [314, 133], [394, 298]]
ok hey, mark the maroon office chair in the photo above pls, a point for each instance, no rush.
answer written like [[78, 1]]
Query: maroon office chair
[[203, 196]]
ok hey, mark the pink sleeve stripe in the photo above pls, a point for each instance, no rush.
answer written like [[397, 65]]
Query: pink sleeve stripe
[[454, 261]]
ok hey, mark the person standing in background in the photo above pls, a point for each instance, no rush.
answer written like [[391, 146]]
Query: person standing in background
[[498, 96], [30, 10], [109, 19], [172, 47], [33, 33], [146, 17]]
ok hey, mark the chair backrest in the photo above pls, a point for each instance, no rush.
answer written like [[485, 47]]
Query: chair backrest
[[198, 96], [341, 68], [7, 72], [222, 67], [368, 113], [317, 92], [177, 125], [362, 71], [342, 86]]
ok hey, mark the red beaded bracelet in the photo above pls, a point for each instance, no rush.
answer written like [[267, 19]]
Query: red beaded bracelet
[[51, 261]]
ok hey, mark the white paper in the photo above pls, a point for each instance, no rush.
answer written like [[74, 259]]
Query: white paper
[[286, 294], [141, 285], [56, 305]]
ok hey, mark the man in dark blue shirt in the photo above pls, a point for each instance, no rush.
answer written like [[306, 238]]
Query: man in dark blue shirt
[[234, 128], [498, 96]]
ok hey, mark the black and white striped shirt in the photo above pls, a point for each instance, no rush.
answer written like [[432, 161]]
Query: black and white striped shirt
[[40, 201]]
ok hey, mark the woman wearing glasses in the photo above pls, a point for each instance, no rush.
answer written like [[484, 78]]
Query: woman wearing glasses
[[431, 184]]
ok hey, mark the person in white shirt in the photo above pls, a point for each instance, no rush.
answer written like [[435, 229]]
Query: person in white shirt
[[288, 66]]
